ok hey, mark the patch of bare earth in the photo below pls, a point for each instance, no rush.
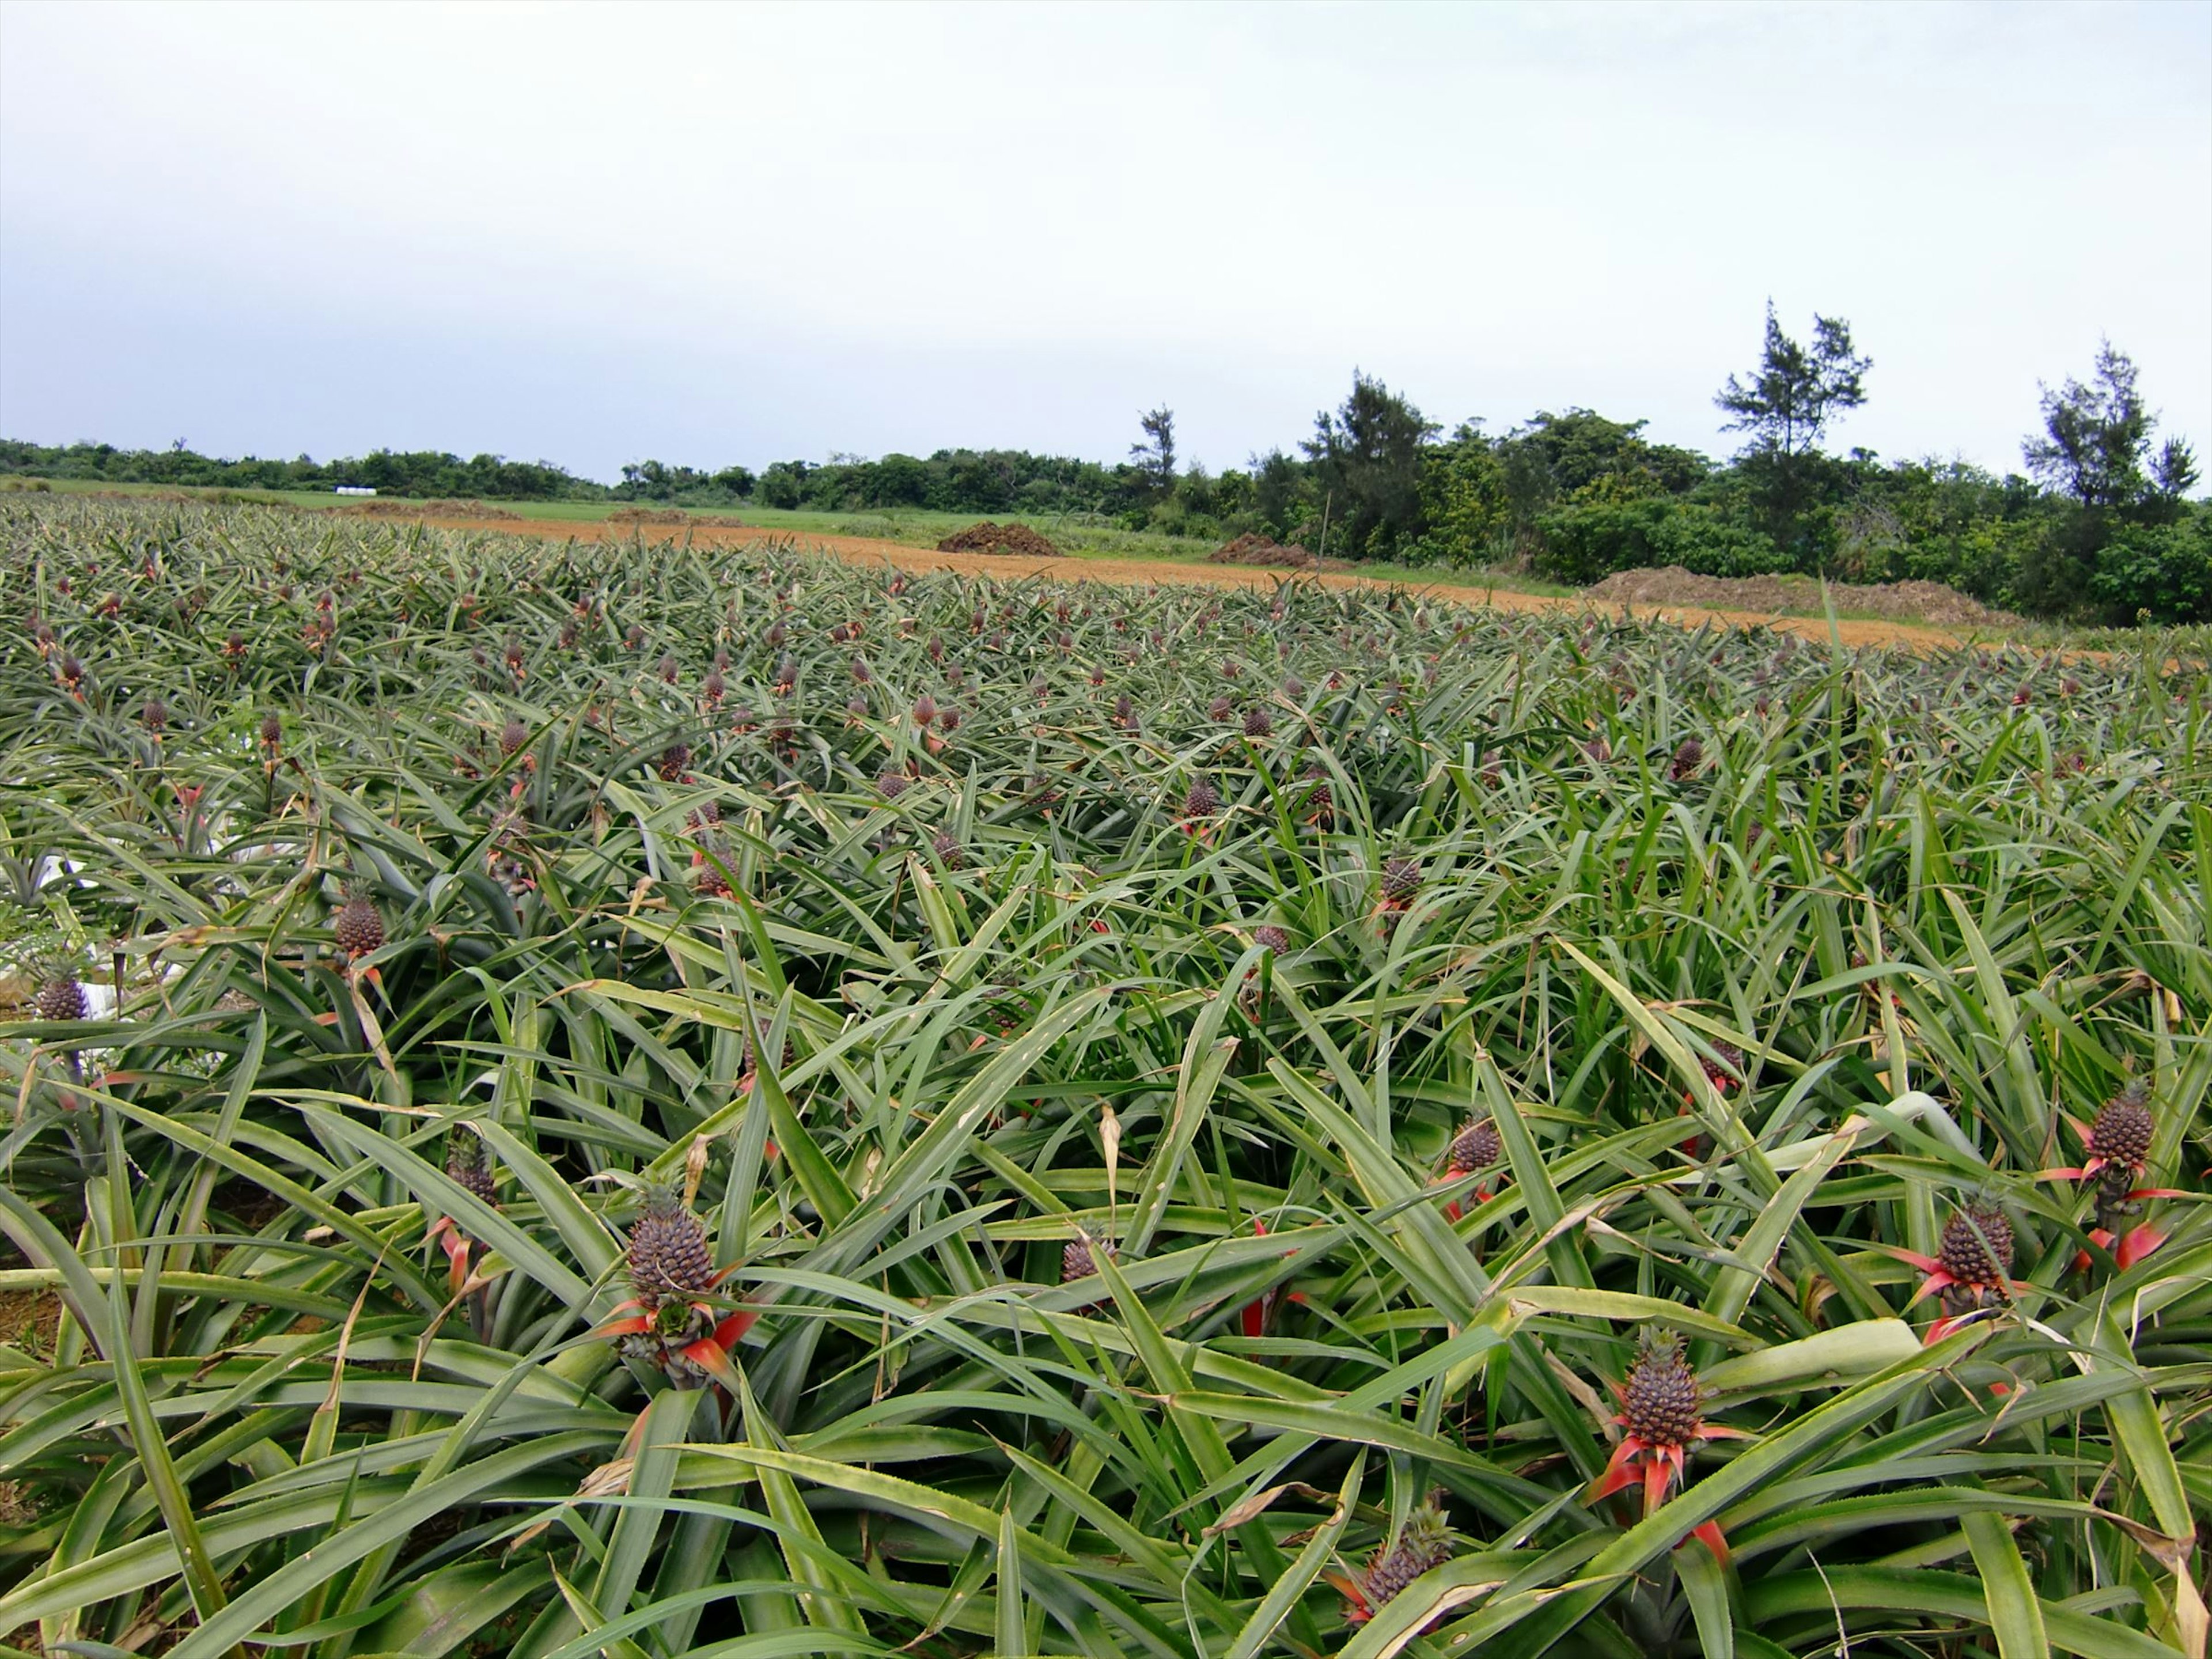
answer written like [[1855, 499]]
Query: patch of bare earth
[[468, 512], [1255, 548], [1913, 601], [987, 538]]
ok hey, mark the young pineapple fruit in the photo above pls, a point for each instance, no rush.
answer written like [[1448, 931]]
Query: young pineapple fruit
[[1475, 1147], [469, 1167], [1080, 1259], [61, 997], [2121, 1137], [1976, 1250], [668, 1255], [1425, 1543], [670, 1266], [358, 926], [1661, 1397], [1402, 879]]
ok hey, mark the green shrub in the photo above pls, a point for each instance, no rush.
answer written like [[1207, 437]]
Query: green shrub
[[1589, 543], [2164, 571]]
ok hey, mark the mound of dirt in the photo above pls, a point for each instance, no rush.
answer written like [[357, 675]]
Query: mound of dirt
[[1255, 548], [392, 509], [1928, 602], [988, 538], [648, 515]]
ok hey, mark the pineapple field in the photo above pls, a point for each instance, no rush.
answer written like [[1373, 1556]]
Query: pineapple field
[[641, 1100]]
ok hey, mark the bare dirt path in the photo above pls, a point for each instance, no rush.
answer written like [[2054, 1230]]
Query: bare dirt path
[[868, 550]]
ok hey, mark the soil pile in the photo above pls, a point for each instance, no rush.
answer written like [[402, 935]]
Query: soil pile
[[988, 538], [1255, 548], [648, 515], [399, 509], [1929, 602]]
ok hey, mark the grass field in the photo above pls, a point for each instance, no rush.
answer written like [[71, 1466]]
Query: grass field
[[621, 1099]]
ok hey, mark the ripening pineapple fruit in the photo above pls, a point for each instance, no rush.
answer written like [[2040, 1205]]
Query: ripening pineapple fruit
[[1661, 1397], [469, 1167], [1221, 707], [1402, 879], [61, 997], [1258, 722], [947, 847], [513, 736], [1476, 1146], [2122, 1134], [1319, 801], [668, 1255], [272, 733], [358, 926], [674, 760], [1423, 1544], [1201, 799], [1976, 1251], [1080, 1259], [155, 715], [1687, 760], [667, 667], [891, 785], [1273, 938]]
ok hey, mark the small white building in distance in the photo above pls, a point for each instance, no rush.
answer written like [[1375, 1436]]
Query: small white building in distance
[[353, 489]]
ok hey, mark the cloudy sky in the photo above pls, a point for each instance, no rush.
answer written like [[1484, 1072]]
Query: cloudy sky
[[740, 233]]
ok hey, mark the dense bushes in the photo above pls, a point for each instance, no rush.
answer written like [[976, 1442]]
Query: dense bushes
[[1587, 544], [2160, 574]]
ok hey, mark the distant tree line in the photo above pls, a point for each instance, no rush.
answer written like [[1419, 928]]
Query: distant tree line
[[2101, 523], [422, 473]]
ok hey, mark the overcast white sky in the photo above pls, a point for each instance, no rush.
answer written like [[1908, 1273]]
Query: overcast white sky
[[593, 234]]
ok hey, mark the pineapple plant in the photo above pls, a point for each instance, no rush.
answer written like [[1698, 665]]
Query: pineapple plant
[[675, 1327]]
